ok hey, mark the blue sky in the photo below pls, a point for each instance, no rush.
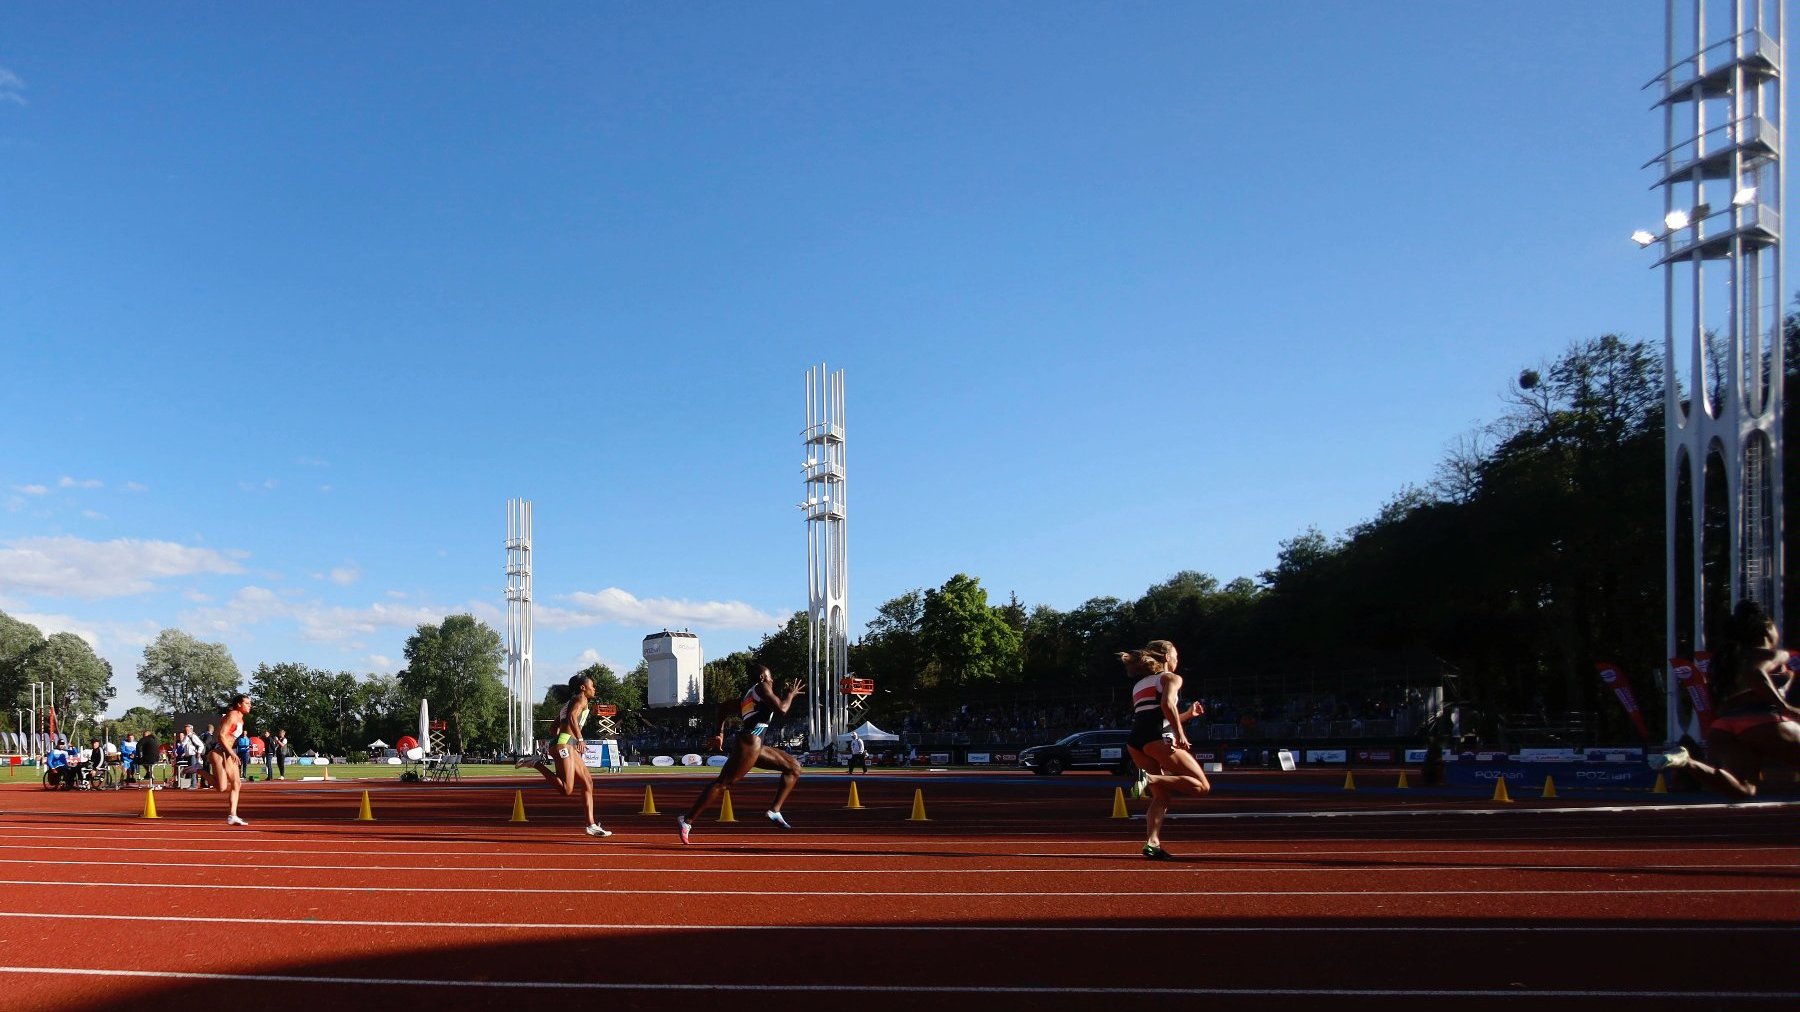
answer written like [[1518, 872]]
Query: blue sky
[[294, 297]]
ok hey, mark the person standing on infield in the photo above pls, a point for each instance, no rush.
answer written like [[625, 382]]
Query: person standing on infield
[[859, 753], [754, 713], [221, 761]]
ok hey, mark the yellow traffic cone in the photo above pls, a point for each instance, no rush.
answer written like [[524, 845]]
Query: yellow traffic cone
[[725, 812], [327, 769], [1119, 809], [1549, 787], [855, 801], [1349, 781], [649, 803], [918, 812], [364, 815], [1662, 786], [1500, 790], [150, 805], [518, 814], [1402, 785]]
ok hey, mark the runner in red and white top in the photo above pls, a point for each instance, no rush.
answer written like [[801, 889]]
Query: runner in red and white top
[[1158, 743]]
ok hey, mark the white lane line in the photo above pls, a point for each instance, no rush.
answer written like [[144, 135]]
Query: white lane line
[[1047, 991], [1139, 867], [1105, 894], [406, 849], [1031, 929]]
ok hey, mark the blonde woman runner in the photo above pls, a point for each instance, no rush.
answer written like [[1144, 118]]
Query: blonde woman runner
[[1158, 743]]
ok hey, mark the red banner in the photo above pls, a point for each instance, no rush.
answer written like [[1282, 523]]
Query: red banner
[[1691, 676], [1621, 686]]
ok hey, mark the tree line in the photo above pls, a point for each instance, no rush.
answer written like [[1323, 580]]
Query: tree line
[[1535, 551]]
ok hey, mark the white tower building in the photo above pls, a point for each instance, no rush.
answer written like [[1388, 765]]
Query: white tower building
[[1722, 183], [827, 560], [676, 664], [519, 731]]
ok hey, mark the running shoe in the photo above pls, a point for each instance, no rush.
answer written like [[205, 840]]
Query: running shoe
[[1671, 759], [526, 762], [778, 819], [233, 820], [1155, 853], [595, 830], [682, 827]]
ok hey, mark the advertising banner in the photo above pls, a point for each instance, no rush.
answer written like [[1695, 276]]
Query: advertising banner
[[1695, 685], [1621, 686], [1325, 755], [1006, 758], [978, 758], [940, 758], [1374, 755]]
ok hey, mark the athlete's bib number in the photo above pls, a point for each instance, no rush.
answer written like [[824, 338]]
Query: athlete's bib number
[[562, 753]]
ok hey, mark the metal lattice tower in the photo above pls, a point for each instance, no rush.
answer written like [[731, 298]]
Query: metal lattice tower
[[1723, 189], [827, 578], [518, 626]]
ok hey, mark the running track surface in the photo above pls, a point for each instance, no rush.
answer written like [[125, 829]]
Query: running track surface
[[1019, 893]]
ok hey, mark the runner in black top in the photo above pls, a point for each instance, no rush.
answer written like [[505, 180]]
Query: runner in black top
[[754, 713]]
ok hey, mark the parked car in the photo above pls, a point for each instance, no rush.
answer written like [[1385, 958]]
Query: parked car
[[1083, 750]]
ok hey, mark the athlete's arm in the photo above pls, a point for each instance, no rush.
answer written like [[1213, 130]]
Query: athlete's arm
[[794, 689], [1171, 688]]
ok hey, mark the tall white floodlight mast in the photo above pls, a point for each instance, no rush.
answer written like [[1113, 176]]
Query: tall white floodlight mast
[[1723, 186], [519, 732], [827, 577]]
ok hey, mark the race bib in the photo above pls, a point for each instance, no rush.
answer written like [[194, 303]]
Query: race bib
[[562, 753]]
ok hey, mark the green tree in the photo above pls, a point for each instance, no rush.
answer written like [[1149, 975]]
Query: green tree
[[727, 676], [967, 640], [785, 649], [636, 685], [457, 666], [17, 640], [184, 674], [890, 651], [317, 708], [83, 681]]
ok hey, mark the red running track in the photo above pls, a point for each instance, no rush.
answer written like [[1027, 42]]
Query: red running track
[[1019, 893]]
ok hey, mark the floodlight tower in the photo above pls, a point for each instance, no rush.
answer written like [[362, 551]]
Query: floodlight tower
[[1720, 252], [828, 645], [519, 732]]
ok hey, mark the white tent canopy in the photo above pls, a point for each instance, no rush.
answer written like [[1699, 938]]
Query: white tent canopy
[[870, 734], [378, 743]]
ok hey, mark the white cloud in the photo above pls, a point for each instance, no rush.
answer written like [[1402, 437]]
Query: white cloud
[[77, 567], [380, 663], [12, 88], [133, 486], [31, 489], [326, 489], [266, 485], [93, 514], [397, 595], [311, 462], [68, 482], [344, 576], [620, 607], [315, 620], [103, 636]]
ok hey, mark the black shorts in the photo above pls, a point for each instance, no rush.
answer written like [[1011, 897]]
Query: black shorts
[[1146, 727]]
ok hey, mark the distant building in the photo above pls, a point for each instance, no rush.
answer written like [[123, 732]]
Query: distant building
[[675, 662]]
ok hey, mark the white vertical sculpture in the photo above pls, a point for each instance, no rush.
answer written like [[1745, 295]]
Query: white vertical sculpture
[[1720, 251], [827, 577], [519, 731]]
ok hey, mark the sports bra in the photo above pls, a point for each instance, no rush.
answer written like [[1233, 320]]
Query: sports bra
[[1146, 694], [754, 710]]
